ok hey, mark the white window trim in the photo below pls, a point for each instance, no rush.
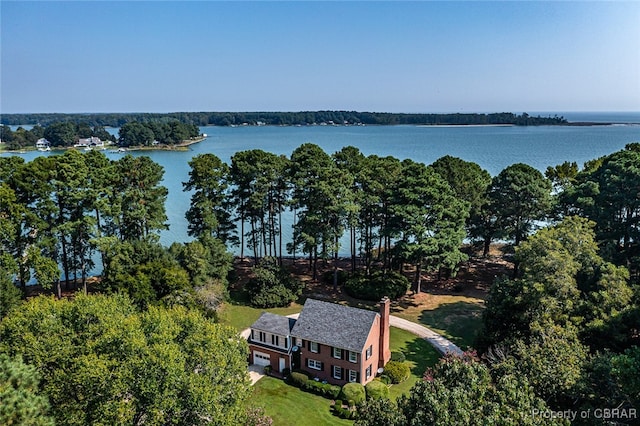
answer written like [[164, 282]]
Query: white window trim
[[311, 345], [355, 356], [336, 353], [337, 372], [368, 372], [353, 376], [316, 365], [369, 351]]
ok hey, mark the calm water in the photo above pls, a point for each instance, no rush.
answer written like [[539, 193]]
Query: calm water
[[493, 148]]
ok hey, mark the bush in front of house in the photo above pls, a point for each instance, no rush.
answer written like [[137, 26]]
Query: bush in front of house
[[378, 285], [298, 379], [326, 390], [376, 390], [384, 379], [398, 372], [353, 392]]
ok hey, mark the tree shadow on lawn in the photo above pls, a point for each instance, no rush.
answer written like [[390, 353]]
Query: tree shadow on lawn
[[421, 355], [459, 322]]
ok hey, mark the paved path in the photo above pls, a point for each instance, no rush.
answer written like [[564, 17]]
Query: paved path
[[441, 344]]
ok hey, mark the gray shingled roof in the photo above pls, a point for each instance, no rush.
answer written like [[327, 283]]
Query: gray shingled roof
[[334, 325], [273, 323]]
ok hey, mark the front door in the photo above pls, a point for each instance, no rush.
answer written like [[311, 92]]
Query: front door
[[282, 364]]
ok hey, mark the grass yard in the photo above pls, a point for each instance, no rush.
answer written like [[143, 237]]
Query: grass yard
[[289, 406], [420, 355], [458, 318]]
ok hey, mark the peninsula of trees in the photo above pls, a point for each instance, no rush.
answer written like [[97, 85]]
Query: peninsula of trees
[[284, 118], [65, 134]]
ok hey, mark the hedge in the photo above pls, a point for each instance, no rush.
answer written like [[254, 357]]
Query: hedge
[[323, 389]]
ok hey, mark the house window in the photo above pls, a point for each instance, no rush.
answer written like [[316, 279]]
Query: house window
[[369, 351], [286, 343], [316, 365], [368, 372], [337, 353], [262, 337], [313, 347], [337, 372], [353, 356], [353, 376], [275, 340]]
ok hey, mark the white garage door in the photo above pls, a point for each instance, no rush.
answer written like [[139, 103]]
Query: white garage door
[[260, 358]]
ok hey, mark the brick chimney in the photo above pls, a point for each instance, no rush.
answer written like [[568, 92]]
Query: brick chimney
[[385, 352]]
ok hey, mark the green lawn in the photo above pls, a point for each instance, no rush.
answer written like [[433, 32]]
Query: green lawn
[[460, 322], [420, 355], [289, 406], [458, 318]]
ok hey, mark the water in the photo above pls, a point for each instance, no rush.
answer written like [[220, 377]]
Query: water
[[493, 148]]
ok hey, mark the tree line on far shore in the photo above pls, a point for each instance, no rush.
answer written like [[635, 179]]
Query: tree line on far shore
[[276, 118]]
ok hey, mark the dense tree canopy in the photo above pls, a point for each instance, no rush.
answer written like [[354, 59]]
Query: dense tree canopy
[[460, 391], [164, 366]]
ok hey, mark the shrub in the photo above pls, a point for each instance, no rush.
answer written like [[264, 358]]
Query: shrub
[[298, 379], [378, 285], [345, 412], [272, 285], [376, 390], [353, 392], [326, 390], [398, 356], [338, 402], [267, 369], [335, 391], [286, 372], [327, 277], [384, 379], [397, 371]]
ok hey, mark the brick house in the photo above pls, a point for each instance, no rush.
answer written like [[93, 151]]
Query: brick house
[[332, 342]]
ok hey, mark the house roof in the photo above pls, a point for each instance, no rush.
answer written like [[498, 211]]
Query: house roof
[[334, 325], [273, 323]]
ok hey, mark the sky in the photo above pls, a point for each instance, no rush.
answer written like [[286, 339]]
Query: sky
[[421, 56]]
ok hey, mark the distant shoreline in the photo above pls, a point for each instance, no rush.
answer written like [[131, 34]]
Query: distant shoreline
[[182, 146]]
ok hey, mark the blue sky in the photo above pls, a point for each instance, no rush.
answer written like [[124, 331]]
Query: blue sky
[[163, 56]]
